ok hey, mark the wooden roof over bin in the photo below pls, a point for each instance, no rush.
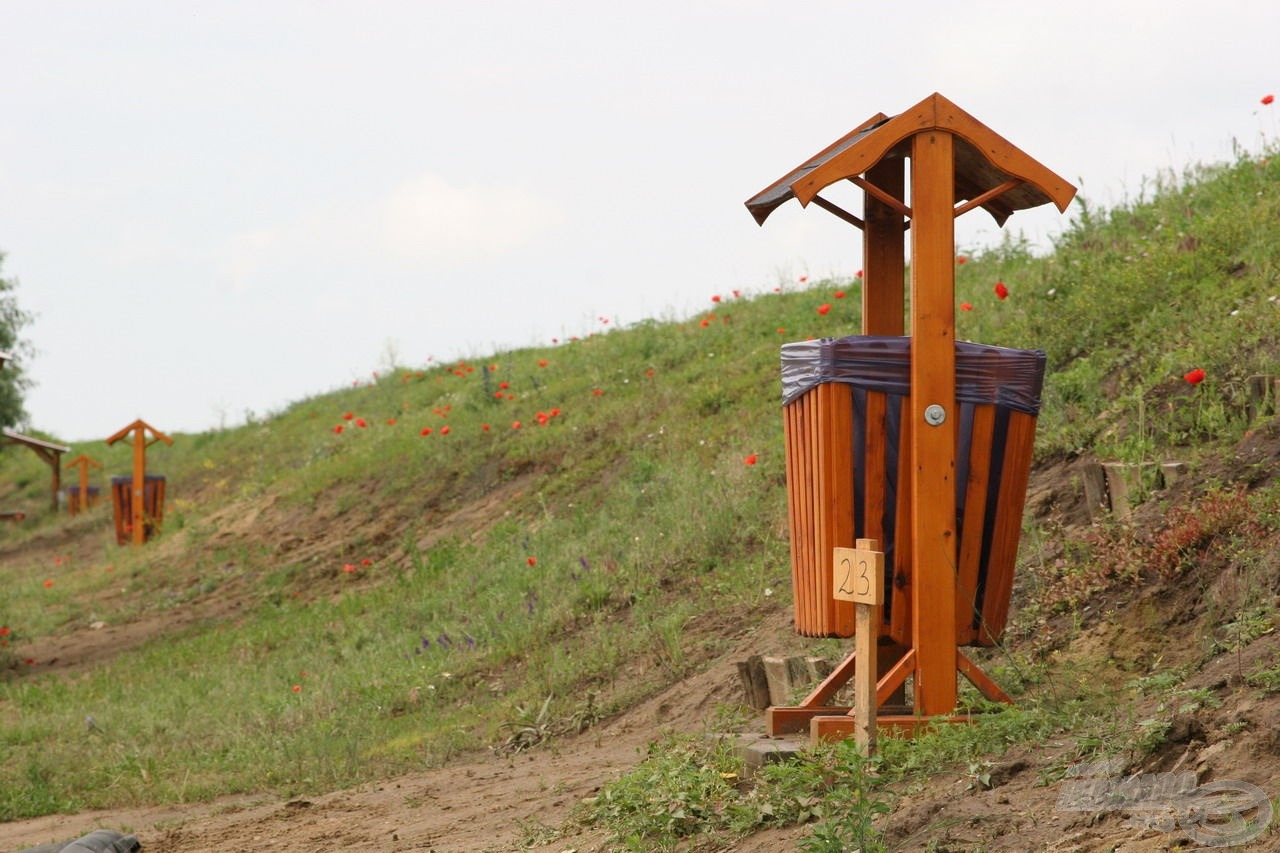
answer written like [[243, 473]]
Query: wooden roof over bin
[[990, 172]]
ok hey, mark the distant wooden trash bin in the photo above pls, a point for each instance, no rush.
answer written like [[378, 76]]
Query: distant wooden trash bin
[[153, 507], [93, 495], [848, 475]]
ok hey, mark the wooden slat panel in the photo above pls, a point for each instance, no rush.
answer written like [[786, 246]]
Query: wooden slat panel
[[874, 482], [804, 498], [826, 507], [903, 574], [1008, 525], [819, 512], [841, 614], [975, 512], [810, 510], [795, 487]]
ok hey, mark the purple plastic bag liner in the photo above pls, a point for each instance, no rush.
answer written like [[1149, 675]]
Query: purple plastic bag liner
[[1005, 377]]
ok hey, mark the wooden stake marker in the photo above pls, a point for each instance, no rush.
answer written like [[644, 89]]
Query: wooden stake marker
[[858, 576]]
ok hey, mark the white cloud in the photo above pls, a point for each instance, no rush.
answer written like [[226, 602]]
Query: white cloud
[[429, 220]]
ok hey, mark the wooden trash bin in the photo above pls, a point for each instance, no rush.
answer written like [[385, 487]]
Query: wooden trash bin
[[73, 498], [848, 475], [153, 506]]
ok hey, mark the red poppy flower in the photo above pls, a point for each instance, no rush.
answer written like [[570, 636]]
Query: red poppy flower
[[425, 431], [348, 416], [1267, 100], [1002, 292], [803, 279], [824, 308], [391, 421], [349, 567], [533, 561], [961, 259], [4, 630], [858, 274], [839, 294], [542, 363], [648, 372], [555, 413], [597, 393], [366, 562], [966, 306], [484, 427], [444, 430], [338, 429], [1195, 377], [705, 322], [48, 583], [515, 425], [504, 385], [297, 688], [737, 293], [781, 331], [750, 460], [360, 422], [497, 395], [715, 298]]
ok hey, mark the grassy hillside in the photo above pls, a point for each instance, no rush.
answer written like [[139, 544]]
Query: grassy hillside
[[497, 552]]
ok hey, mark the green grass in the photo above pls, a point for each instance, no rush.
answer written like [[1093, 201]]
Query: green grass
[[620, 542]]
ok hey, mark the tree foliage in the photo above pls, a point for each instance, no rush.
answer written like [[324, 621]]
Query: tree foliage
[[13, 378]]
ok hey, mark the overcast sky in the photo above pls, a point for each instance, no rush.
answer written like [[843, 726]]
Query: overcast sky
[[222, 207]]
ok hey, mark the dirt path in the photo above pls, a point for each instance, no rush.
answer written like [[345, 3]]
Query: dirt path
[[480, 803]]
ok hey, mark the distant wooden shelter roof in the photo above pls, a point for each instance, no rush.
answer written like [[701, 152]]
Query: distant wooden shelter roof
[[990, 172], [15, 437], [49, 451], [4, 356]]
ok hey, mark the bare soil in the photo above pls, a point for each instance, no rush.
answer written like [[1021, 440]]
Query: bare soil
[[487, 802]]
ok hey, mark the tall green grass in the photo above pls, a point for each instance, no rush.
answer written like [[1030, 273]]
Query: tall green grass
[[586, 560]]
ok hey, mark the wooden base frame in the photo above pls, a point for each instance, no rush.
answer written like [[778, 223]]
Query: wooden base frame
[[825, 721]]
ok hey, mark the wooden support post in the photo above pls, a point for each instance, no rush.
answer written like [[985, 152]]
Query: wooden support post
[[933, 420], [1096, 499], [883, 260]]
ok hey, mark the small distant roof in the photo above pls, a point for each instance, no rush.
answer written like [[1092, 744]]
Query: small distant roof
[[4, 356], [985, 163], [18, 438]]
